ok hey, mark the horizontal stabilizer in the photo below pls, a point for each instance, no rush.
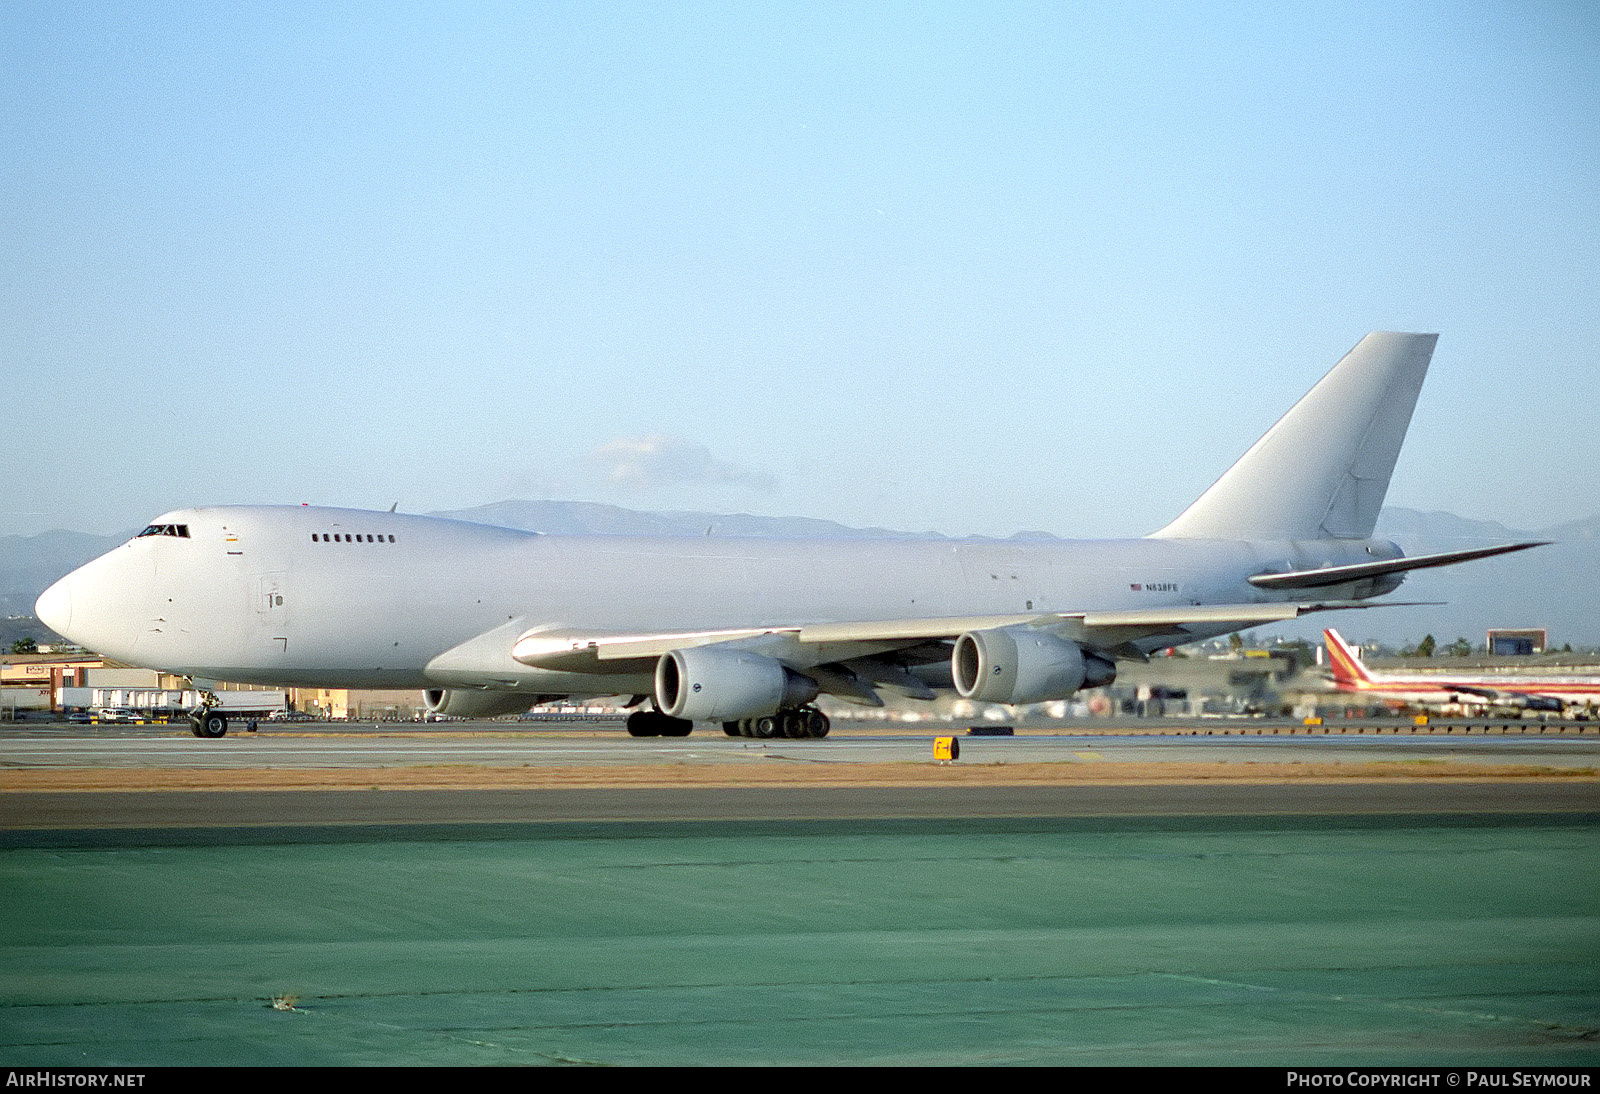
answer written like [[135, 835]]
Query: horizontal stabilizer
[[1338, 575]]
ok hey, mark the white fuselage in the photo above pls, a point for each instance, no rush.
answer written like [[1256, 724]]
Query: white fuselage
[[317, 597], [1470, 689]]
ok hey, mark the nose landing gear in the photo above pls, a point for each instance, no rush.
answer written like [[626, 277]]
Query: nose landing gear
[[208, 723]]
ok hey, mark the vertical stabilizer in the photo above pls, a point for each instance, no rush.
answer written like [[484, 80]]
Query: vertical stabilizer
[[1322, 471], [1347, 667]]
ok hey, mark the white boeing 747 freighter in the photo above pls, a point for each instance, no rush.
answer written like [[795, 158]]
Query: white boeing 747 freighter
[[747, 632]]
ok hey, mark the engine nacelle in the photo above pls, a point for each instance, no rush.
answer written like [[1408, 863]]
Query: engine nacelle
[[703, 683], [458, 703], [1023, 665]]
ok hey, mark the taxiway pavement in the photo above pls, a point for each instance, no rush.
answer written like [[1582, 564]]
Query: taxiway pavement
[[160, 777]]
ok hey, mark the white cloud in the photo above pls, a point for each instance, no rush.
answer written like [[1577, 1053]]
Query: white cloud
[[642, 464]]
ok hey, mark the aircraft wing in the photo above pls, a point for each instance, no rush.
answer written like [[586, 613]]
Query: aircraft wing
[[1130, 633], [1531, 701]]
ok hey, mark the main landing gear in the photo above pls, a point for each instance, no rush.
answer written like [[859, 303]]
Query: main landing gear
[[794, 725], [652, 723]]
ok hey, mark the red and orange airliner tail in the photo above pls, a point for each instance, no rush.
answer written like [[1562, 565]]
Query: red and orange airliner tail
[[1347, 667]]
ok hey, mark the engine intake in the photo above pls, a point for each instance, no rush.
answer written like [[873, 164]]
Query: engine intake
[[1023, 665], [703, 683]]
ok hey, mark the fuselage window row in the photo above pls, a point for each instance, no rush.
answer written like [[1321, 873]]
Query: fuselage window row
[[338, 537]]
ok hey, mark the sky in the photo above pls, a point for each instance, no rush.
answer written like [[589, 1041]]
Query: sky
[[967, 268]]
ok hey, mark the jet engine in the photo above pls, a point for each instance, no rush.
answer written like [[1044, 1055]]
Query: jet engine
[[458, 703], [1023, 665], [704, 683]]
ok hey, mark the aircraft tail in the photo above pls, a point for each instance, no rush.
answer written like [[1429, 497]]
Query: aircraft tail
[[1347, 667], [1322, 471]]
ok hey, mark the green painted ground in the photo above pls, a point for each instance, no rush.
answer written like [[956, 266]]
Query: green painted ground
[[1248, 942]]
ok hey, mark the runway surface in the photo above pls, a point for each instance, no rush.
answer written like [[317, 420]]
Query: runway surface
[[1283, 941], [577, 897], [81, 778], [495, 746]]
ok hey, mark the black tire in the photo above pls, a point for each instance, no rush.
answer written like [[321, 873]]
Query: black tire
[[817, 724], [731, 729], [644, 723], [212, 725]]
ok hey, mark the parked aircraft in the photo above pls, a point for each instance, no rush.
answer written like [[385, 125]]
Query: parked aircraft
[[749, 631], [1438, 689]]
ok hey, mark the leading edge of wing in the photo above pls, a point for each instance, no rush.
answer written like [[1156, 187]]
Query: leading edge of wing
[[576, 650]]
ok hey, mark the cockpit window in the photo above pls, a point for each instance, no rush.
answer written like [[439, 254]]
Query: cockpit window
[[181, 531]]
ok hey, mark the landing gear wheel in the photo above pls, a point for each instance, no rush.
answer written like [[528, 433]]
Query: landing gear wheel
[[644, 723], [806, 723], [652, 723], [210, 724], [816, 723]]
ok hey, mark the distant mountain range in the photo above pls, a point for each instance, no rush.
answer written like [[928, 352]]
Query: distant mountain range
[[1555, 587]]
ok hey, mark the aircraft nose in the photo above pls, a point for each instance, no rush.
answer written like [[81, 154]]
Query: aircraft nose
[[54, 606]]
